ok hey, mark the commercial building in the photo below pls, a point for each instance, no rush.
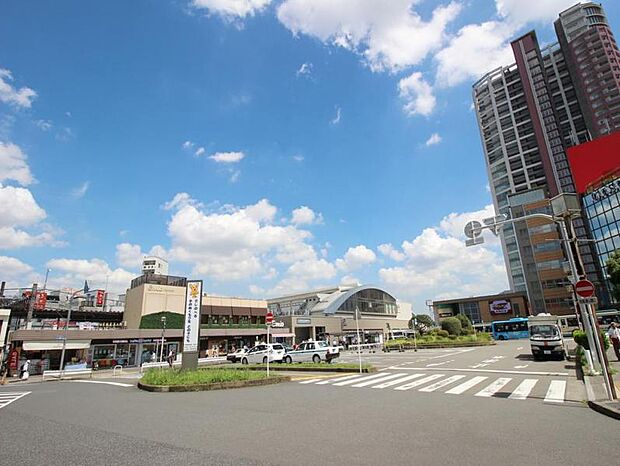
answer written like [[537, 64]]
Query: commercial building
[[593, 61], [596, 168], [529, 113], [483, 310], [329, 313], [155, 265]]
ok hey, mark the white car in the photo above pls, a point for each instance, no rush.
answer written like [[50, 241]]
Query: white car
[[237, 355], [259, 354], [312, 351]]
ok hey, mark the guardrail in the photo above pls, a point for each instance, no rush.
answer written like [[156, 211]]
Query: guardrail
[[118, 366], [177, 363], [67, 373], [371, 347]]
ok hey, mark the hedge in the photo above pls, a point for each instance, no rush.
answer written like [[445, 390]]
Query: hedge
[[152, 321]]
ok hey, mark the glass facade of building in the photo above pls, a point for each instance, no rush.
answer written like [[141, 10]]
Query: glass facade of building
[[602, 208], [370, 301]]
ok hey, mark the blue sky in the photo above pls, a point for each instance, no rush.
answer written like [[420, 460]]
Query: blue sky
[[264, 146]]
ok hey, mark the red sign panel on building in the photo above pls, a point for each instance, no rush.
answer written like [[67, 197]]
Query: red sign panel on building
[[41, 300], [100, 294], [593, 161]]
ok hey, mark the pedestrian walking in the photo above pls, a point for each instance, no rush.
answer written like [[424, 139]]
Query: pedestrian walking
[[614, 336], [171, 357], [25, 372]]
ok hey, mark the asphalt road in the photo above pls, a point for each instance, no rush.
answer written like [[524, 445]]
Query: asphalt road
[[303, 422]]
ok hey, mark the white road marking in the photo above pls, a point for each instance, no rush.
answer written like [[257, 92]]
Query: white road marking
[[117, 384], [492, 371], [338, 379], [494, 387], [476, 366], [466, 385], [417, 383], [442, 383], [439, 363], [519, 348], [398, 381], [359, 379], [9, 397], [521, 367], [382, 379], [556, 391], [523, 390], [311, 381]]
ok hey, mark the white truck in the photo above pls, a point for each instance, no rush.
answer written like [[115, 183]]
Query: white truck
[[546, 338]]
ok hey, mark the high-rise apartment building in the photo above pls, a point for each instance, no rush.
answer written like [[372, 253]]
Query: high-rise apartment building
[[593, 60], [529, 113]]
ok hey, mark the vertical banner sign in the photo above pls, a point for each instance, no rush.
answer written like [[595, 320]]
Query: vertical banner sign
[[41, 300], [99, 301], [193, 299]]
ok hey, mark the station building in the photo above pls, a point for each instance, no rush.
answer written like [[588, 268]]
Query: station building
[[329, 313], [483, 310]]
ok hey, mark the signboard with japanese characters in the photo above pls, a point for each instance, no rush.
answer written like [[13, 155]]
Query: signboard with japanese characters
[[191, 328], [501, 306]]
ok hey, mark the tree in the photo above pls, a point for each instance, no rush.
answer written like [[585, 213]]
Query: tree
[[465, 322], [452, 325], [613, 270], [424, 323]]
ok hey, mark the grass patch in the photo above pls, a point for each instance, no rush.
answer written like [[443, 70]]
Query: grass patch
[[433, 340], [174, 377]]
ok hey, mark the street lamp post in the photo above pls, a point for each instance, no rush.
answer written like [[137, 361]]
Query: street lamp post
[[414, 324], [359, 342], [47, 272], [163, 333], [64, 339], [473, 230]]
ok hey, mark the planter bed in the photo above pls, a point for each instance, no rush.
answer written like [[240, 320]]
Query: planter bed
[[214, 386], [302, 368]]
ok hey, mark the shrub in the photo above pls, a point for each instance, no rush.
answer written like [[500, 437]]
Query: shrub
[[442, 333], [452, 337], [467, 331], [465, 322], [452, 325], [581, 339]]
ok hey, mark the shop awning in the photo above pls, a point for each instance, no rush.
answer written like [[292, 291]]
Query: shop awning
[[55, 345]]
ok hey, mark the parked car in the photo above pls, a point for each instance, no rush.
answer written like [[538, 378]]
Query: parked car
[[236, 355], [312, 351], [259, 354]]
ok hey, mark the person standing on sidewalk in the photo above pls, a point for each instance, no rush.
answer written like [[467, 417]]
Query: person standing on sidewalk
[[25, 370], [614, 335]]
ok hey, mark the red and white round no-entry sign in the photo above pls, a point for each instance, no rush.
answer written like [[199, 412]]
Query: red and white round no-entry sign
[[584, 288]]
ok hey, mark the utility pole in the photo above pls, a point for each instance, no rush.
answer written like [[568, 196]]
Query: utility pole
[[31, 302]]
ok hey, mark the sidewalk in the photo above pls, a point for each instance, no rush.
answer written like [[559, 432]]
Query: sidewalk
[[597, 394]]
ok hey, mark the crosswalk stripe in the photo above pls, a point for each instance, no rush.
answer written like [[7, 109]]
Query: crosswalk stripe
[[310, 381], [347, 377], [398, 381], [442, 383], [382, 379], [359, 379], [417, 383], [494, 387], [523, 390], [14, 397], [556, 391], [462, 388]]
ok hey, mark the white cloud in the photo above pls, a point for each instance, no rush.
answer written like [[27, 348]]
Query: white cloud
[[433, 140], [14, 269], [305, 69], [232, 9], [22, 97], [12, 238], [437, 264], [314, 269], [188, 145], [234, 176], [227, 157], [305, 216], [350, 280], [336, 119], [235, 243], [44, 125], [476, 49], [200, 151], [355, 258], [388, 35], [13, 165], [131, 255], [525, 11], [298, 158], [389, 251], [179, 201], [18, 207], [73, 272], [417, 94], [80, 191]]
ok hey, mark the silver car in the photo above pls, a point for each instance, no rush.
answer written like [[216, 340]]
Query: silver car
[[260, 353], [312, 351]]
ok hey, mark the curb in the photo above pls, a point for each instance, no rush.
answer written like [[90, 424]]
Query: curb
[[608, 408], [212, 386], [315, 369], [441, 345]]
